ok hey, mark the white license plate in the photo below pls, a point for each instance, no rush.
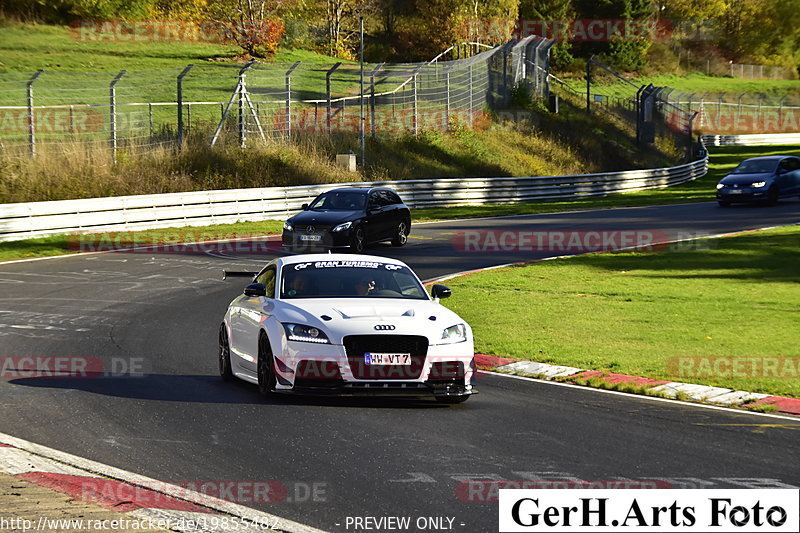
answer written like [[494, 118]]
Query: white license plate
[[737, 191], [402, 359], [314, 238]]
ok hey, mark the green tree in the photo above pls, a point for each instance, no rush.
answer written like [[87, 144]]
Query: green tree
[[254, 25], [553, 15]]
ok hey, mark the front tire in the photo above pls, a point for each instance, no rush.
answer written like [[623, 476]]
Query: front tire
[[723, 203], [772, 195], [401, 234], [357, 241], [266, 367], [225, 371]]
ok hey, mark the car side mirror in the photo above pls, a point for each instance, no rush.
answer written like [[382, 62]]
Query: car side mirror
[[255, 289], [441, 291], [304, 207]]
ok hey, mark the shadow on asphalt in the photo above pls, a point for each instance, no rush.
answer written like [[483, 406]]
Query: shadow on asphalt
[[210, 389]]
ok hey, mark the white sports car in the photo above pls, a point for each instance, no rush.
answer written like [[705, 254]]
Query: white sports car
[[346, 324]]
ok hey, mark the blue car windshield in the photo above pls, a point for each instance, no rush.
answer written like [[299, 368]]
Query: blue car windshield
[[350, 279], [339, 201], [756, 166]]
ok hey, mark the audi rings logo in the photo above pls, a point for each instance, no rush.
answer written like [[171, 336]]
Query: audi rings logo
[[384, 327], [310, 229]]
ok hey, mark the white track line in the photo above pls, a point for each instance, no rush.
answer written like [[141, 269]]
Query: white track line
[[644, 397]]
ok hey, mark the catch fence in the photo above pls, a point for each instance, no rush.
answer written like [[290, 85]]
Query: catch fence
[[260, 102]]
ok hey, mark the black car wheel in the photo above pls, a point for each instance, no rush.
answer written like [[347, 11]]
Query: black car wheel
[[772, 195], [225, 371], [357, 241], [723, 203], [266, 367], [401, 234]]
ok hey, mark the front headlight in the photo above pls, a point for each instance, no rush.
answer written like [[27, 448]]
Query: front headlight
[[758, 184], [342, 227], [454, 334], [302, 333], [288, 227], [720, 185]]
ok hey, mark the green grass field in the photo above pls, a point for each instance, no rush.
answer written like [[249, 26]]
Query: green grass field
[[632, 313]]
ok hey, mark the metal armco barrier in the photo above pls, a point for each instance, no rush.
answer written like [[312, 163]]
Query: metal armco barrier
[[751, 140], [127, 213]]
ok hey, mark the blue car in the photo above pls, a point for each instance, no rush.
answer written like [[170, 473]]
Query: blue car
[[761, 179]]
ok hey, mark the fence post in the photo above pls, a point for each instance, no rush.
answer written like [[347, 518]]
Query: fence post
[[471, 102], [372, 97], [758, 109], [180, 104], [414, 103], [505, 76], [739, 106], [589, 86], [289, 100], [328, 93], [112, 88], [72, 120], [31, 121], [241, 87], [447, 101], [150, 117]]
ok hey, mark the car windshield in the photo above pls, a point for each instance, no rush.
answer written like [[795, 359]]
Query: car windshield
[[350, 279], [756, 166], [339, 201]]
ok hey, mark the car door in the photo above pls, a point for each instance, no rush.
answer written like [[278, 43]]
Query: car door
[[397, 211], [785, 177], [252, 313], [376, 214], [793, 165]]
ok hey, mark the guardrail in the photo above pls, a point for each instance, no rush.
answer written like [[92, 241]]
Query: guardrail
[[751, 140], [127, 213]]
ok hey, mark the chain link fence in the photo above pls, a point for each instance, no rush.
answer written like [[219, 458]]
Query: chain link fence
[[262, 102], [644, 110], [716, 66], [739, 113]]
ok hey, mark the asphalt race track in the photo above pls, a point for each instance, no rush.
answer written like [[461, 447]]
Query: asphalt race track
[[158, 314]]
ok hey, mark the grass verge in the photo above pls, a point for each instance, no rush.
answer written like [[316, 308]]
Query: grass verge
[[638, 313]]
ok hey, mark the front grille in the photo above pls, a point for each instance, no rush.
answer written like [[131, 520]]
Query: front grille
[[358, 345], [317, 228]]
